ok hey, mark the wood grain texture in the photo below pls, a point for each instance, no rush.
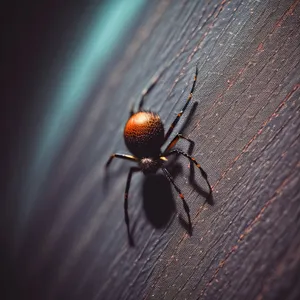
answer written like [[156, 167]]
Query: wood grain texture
[[246, 129]]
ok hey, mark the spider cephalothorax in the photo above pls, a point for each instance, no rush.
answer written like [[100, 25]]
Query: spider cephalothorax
[[150, 165], [144, 137]]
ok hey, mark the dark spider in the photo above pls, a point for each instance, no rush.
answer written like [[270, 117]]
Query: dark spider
[[144, 136]]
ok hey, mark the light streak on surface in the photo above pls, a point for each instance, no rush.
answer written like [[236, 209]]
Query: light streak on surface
[[81, 72]]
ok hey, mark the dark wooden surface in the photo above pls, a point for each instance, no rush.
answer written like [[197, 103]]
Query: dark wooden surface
[[246, 126]]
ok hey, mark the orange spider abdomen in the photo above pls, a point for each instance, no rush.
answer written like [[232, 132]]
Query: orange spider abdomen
[[144, 134]]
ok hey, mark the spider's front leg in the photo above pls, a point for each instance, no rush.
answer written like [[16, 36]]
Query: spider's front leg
[[123, 156]]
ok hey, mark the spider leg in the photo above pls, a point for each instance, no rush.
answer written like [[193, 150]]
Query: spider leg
[[169, 132], [175, 140], [192, 159], [185, 205], [131, 171], [123, 156], [146, 91]]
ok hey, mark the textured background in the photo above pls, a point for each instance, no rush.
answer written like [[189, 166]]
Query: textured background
[[246, 126]]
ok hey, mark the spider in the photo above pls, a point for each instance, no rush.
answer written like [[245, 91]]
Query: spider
[[144, 137]]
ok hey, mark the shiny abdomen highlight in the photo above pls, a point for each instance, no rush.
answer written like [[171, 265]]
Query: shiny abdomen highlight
[[144, 134]]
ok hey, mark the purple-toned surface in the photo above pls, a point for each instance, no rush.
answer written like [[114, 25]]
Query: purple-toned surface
[[246, 129]]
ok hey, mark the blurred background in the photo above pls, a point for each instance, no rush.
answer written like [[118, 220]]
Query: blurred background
[[70, 73], [56, 56]]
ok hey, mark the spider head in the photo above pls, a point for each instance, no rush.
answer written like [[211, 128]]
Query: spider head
[[150, 165], [144, 134]]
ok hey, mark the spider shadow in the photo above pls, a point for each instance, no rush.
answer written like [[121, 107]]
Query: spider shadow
[[207, 195], [189, 118], [158, 202], [191, 178]]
